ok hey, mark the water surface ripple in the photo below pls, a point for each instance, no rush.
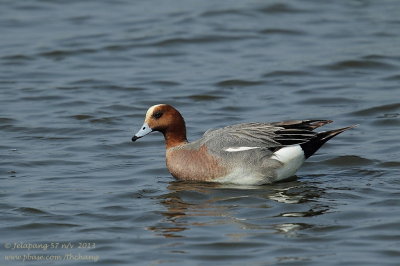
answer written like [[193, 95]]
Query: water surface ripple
[[77, 77]]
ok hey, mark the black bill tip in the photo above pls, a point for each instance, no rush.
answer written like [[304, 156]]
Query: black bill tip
[[134, 138]]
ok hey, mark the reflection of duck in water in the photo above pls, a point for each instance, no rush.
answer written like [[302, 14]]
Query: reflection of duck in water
[[247, 154], [190, 205]]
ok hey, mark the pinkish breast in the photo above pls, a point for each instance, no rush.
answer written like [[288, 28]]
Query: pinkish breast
[[196, 165]]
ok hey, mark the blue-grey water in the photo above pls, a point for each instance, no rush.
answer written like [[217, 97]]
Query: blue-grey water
[[76, 78]]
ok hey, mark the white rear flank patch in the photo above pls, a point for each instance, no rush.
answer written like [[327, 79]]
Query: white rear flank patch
[[292, 157], [236, 149]]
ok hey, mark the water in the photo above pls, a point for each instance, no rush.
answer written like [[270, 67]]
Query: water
[[78, 76]]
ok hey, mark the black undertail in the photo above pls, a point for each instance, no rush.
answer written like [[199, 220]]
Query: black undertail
[[311, 146], [301, 132]]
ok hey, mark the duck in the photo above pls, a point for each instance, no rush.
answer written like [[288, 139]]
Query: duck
[[253, 153]]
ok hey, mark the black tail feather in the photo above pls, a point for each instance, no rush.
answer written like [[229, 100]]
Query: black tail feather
[[310, 147], [302, 124]]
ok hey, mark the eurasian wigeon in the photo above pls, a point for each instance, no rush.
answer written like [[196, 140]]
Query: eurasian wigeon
[[247, 154]]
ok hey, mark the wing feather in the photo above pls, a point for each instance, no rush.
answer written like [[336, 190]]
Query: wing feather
[[265, 135]]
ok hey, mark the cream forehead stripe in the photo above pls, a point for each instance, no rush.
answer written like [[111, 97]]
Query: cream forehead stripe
[[151, 110]]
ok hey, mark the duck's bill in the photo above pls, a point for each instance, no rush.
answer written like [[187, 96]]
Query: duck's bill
[[144, 130]]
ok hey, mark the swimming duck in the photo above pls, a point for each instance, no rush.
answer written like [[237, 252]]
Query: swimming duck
[[245, 154]]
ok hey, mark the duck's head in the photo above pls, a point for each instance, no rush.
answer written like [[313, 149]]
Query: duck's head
[[167, 120]]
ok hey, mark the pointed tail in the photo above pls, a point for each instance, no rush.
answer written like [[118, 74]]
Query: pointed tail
[[315, 143]]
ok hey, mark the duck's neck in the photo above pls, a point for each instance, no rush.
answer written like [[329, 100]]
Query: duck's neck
[[175, 136]]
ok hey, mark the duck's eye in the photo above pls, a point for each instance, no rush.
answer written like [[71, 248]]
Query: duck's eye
[[157, 115]]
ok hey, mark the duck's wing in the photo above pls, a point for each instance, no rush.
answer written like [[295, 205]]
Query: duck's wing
[[302, 124], [270, 136]]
